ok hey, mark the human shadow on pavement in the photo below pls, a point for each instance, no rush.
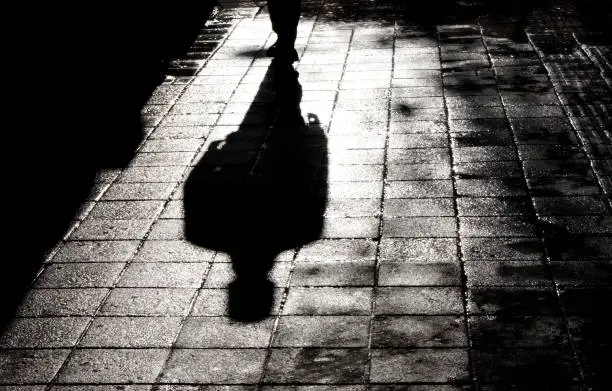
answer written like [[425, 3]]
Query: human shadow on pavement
[[260, 190]]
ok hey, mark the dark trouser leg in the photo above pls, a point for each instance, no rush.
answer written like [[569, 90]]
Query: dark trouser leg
[[285, 15]]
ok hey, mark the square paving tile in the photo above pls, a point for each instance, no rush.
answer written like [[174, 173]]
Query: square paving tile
[[223, 332], [418, 301], [316, 366], [419, 274], [322, 331], [328, 301], [43, 332], [30, 366], [517, 331], [113, 366], [418, 331], [131, 332], [419, 365], [214, 366], [336, 273]]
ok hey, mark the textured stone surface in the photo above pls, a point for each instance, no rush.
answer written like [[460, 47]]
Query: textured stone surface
[[461, 152]]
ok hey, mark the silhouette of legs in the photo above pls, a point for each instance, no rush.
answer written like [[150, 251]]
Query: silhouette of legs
[[284, 15]]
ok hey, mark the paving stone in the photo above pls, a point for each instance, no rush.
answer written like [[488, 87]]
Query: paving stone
[[483, 154], [418, 365], [418, 250], [416, 82], [113, 366], [316, 366], [168, 229], [421, 171], [418, 332], [581, 224], [416, 102], [151, 174], [126, 210], [418, 301], [79, 275], [419, 189], [496, 169], [416, 387], [172, 251], [417, 127], [417, 114], [138, 191], [353, 227], [419, 274], [557, 168], [420, 227], [61, 302], [583, 273], [348, 190], [131, 332], [518, 100], [111, 230], [43, 332], [506, 301], [493, 206], [397, 207], [30, 366], [472, 100], [350, 172], [163, 275], [322, 331], [517, 331], [554, 366], [535, 111], [315, 388], [499, 248], [563, 186], [489, 138], [495, 125], [163, 159], [214, 366], [584, 300], [335, 273], [81, 387], [222, 332], [352, 207], [502, 226], [493, 187], [341, 250], [472, 112], [328, 301], [418, 156], [508, 273], [418, 140], [148, 301], [573, 206]]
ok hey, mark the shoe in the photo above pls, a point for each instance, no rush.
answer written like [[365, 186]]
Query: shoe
[[281, 53]]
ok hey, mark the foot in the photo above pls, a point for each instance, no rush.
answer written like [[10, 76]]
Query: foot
[[282, 53]]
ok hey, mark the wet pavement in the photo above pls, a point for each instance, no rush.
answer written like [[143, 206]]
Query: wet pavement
[[430, 197]]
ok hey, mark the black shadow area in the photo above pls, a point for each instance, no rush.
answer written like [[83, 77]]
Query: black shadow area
[[76, 79], [260, 190]]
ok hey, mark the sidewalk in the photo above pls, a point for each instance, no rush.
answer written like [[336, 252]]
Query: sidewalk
[[442, 221]]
